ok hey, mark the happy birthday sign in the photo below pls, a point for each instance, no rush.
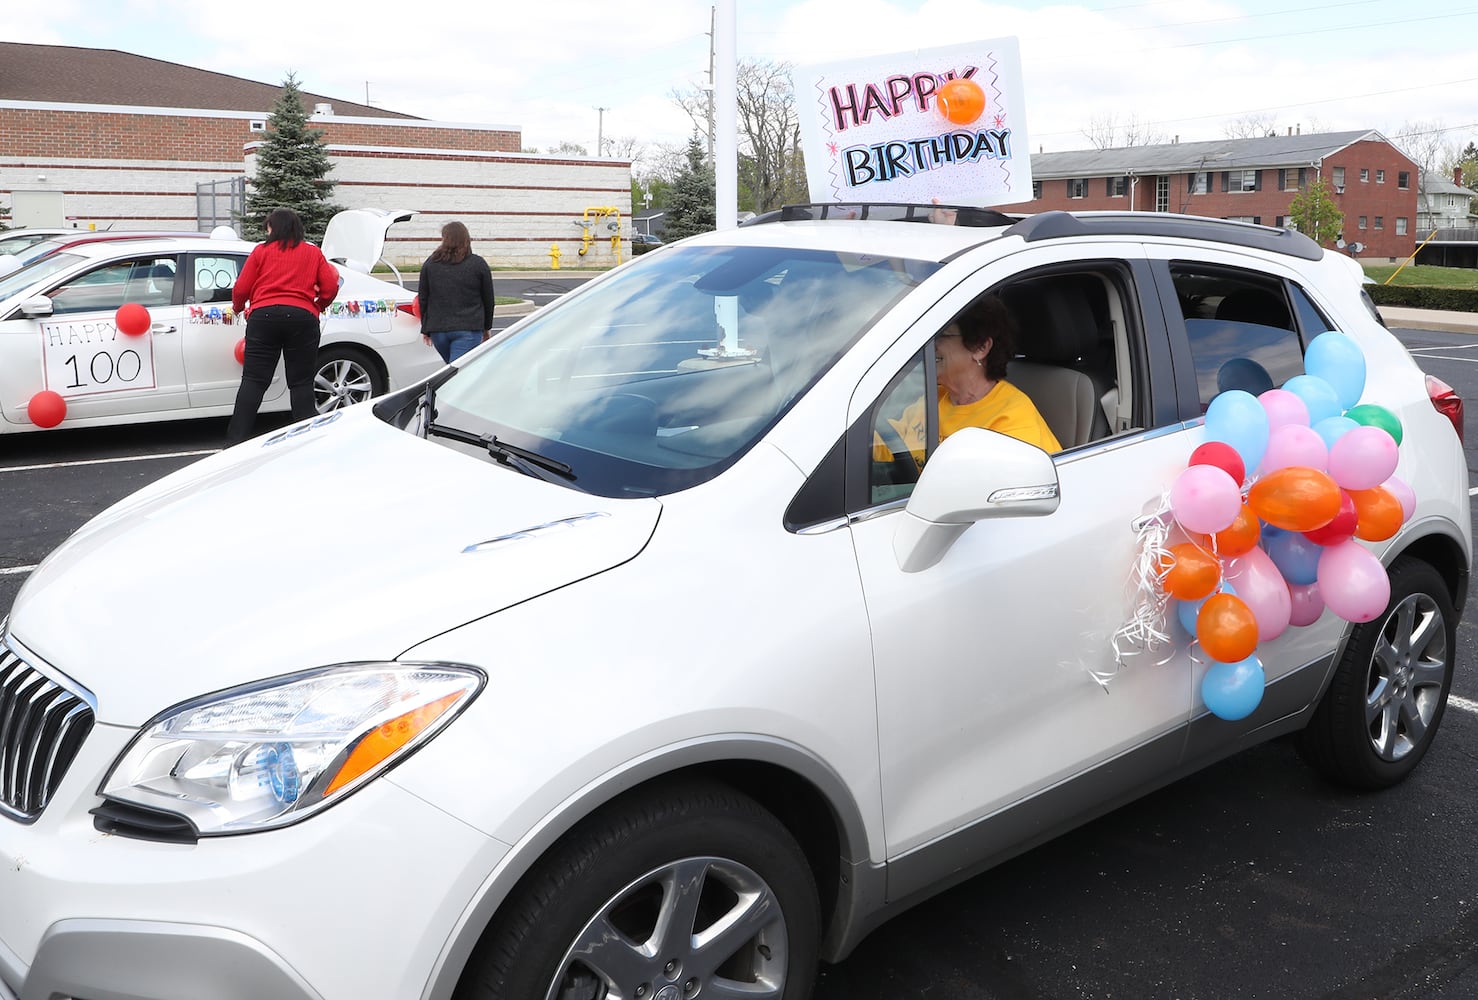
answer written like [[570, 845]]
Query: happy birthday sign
[[942, 125]]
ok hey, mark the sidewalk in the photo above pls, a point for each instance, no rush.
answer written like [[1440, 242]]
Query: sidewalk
[[1430, 319]]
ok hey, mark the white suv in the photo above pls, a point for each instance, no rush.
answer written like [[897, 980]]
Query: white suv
[[660, 682]]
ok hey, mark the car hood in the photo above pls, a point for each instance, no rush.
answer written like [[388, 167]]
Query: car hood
[[356, 236], [352, 541]]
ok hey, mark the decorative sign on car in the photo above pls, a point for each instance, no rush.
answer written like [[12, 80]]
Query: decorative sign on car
[[92, 356], [944, 125]]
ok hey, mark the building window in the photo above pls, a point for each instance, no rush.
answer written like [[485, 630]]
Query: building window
[[1362, 222], [1241, 218], [1117, 186], [1199, 183], [1243, 180], [1380, 222], [1401, 226], [1339, 177], [1380, 176], [1291, 180], [1077, 188], [1403, 180], [1364, 175], [1036, 190]]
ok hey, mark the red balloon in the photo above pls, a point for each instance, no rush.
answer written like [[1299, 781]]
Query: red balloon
[[1342, 528], [416, 307], [1223, 456], [46, 409], [241, 351], [132, 319]]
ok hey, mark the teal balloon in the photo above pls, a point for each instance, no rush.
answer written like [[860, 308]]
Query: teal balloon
[[1331, 429], [1233, 691], [1339, 361], [1318, 395], [1372, 415], [1235, 417]]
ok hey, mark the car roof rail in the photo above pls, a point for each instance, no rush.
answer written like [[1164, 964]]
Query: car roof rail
[[963, 215], [1057, 225]]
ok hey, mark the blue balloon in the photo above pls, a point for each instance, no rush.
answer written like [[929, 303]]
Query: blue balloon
[[1235, 417], [1331, 429], [1187, 611], [1233, 691], [1339, 361], [1244, 374], [1296, 557], [1318, 395]]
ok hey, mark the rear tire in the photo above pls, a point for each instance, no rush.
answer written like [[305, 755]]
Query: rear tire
[[1386, 700], [345, 376], [683, 891]]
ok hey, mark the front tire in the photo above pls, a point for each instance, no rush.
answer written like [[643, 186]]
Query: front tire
[[684, 891], [345, 376], [1384, 705]]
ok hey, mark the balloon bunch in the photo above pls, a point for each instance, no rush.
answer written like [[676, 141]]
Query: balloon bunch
[[1322, 478]]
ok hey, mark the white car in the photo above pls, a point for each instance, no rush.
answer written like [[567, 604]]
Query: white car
[[59, 335], [660, 680]]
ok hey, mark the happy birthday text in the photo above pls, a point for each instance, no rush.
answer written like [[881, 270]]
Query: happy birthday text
[[849, 107], [888, 161]]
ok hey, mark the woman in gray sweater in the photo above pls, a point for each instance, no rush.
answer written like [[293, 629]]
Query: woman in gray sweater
[[455, 292]]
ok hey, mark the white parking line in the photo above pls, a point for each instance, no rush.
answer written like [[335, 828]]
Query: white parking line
[[1450, 347], [1444, 357], [16, 570], [1463, 703], [110, 461]]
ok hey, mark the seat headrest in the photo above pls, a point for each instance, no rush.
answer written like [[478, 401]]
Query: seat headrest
[[1054, 325], [1253, 305]]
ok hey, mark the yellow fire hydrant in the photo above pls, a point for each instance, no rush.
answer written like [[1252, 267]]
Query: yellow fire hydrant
[[554, 256]]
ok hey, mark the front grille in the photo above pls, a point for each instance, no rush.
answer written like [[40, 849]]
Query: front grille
[[42, 726]]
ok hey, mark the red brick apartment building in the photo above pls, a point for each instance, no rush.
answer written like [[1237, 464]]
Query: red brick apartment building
[[107, 139], [1253, 180]]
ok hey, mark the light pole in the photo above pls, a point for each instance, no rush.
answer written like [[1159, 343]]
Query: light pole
[[600, 127]]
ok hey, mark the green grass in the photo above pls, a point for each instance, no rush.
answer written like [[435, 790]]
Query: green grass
[[1425, 274]]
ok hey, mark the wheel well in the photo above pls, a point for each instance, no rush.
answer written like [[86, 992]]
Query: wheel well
[[1445, 556], [364, 355]]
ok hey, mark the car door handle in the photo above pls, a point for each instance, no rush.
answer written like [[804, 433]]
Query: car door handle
[[162, 328]]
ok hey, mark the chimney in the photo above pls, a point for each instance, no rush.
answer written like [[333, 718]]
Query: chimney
[[1298, 129], [1290, 130], [1457, 176]]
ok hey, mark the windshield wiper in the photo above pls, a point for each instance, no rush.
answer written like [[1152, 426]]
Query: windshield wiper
[[530, 463]]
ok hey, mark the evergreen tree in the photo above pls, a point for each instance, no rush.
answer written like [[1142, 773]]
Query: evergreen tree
[[292, 170], [690, 202], [1314, 213]]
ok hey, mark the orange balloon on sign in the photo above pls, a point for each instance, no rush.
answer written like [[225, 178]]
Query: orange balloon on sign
[[1295, 498]]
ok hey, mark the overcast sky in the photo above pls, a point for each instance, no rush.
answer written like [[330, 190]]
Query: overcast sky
[[1183, 67]]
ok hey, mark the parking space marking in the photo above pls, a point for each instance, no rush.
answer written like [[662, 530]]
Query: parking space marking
[[1444, 357], [110, 461], [1449, 347], [16, 570], [1463, 703]]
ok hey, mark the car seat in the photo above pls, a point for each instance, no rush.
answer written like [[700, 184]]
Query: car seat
[[1057, 339]]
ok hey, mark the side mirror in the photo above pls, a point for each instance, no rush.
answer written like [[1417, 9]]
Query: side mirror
[[36, 307], [975, 475]]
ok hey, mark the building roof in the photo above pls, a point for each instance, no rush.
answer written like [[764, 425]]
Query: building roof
[[1193, 157], [1439, 186], [67, 74]]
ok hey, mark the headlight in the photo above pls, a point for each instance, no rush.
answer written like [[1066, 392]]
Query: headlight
[[277, 751]]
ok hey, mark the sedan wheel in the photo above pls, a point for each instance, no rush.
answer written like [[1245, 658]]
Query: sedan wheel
[[344, 377], [693, 890], [1385, 702]]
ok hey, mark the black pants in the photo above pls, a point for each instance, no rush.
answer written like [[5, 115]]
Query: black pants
[[288, 332]]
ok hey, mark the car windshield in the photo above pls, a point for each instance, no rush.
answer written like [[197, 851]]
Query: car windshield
[[18, 281], [661, 376]]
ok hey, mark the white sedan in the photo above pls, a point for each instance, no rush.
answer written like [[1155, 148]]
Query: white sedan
[[64, 361]]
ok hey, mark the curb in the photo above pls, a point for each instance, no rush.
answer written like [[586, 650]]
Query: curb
[[522, 308]]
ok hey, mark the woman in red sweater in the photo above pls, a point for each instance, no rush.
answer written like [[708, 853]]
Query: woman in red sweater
[[284, 285]]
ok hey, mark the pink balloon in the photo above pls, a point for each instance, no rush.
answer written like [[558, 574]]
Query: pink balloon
[[1205, 499], [1353, 582], [1283, 408], [1307, 602], [1362, 458], [1295, 444], [1257, 581], [1405, 494]]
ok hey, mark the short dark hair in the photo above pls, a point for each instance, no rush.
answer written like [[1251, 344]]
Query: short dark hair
[[987, 318], [285, 227]]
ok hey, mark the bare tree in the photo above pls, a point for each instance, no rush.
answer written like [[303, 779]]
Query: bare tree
[[1251, 126], [1426, 143], [1105, 131]]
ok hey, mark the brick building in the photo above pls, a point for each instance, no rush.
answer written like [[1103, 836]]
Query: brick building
[[72, 152], [1374, 183]]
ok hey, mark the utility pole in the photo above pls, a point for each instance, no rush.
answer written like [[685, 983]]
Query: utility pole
[[600, 130], [712, 20]]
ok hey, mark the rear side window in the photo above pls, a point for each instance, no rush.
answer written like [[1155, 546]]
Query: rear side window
[[1241, 329]]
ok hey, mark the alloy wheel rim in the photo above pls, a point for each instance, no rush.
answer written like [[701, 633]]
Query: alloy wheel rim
[[701, 926], [1407, 673], [339, 384]]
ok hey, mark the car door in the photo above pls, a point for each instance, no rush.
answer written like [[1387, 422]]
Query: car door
[[212, 329], [79, 352], [995, 667]]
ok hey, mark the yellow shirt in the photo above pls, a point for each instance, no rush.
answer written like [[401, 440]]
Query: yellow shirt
[[1005, 409]]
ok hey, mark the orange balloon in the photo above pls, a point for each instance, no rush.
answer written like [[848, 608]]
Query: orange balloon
[[961, 101], [1190, 572], [1378, 513], [1295, 498], [1241, 536], [1227, 628]]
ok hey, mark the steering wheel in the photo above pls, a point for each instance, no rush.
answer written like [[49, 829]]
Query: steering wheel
[[905, 466]]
